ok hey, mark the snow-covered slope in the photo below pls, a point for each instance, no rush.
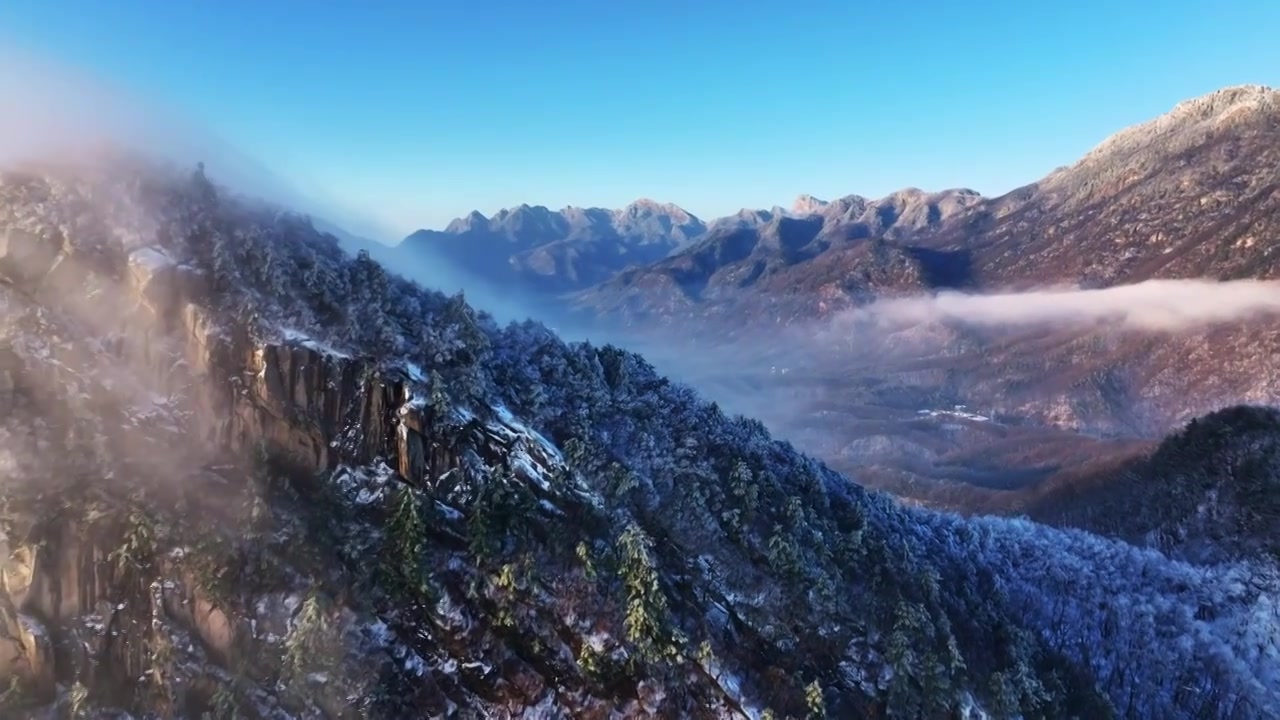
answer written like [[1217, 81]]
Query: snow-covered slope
[[251, 476]]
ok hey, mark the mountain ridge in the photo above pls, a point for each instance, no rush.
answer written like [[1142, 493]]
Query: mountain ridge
[[547, 251]]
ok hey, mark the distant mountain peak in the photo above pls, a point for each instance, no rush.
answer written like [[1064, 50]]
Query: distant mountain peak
[[522, 209], [646, 206], [1186, 122], [807, 204], [474, 220], [745, 217]]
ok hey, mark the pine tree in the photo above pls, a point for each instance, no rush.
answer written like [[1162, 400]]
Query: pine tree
[[648, 622], [404, 540], [744, 487], [783, 555], [204, 190], [307, 640], [441, 408], [814, 702]]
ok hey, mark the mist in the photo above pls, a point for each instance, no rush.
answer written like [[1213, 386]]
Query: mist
[[1151, 306], [61, 115]]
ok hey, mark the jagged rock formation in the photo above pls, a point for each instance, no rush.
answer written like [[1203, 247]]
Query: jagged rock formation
[[249, 476], [809, 261], [546, 251]]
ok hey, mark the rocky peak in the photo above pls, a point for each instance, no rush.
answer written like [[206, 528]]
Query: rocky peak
[[473, 222], [808, 205], [650, 222], [745, 217], [1188, 124], [530, 224], [645, 206]]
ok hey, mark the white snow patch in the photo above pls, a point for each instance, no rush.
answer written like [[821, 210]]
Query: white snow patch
[[415, 664], [296, 337], [414, 403], [598, 640], [32, 625], [450, 513], [366, 496], [521, 463], [510, 420], [415, 372], [151, 258], [959, 411]]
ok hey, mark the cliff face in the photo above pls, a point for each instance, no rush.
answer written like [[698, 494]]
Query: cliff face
[[78, 614], [74, 612]]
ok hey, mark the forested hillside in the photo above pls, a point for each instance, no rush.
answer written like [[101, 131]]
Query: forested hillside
[[248, 475]]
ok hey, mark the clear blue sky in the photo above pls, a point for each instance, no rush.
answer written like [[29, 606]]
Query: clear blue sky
[[418, 112]]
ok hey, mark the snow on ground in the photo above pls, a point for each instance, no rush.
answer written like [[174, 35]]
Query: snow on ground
[[959, 411], [510, 420], [297, 337], [415, 372], [151, 258]]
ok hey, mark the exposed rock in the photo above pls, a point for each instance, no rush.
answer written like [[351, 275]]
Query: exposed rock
[[27, 256]]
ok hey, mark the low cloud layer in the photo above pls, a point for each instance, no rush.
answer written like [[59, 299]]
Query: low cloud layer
[[1153, 306]]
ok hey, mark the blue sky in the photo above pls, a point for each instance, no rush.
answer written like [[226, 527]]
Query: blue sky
[[417, 112]]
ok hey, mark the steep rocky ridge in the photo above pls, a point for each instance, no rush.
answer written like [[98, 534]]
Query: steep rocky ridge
[[321, 412], [1191, 193], [816, 258]]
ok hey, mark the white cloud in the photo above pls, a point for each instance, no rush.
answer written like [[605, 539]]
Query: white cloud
[[1154, 305]]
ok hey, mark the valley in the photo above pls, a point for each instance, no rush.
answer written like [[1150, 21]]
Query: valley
[[1192, 194]]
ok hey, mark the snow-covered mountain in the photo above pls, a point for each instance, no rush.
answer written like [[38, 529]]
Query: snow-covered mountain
[[249, 475]]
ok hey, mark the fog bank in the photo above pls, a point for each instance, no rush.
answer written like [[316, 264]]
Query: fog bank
[[1153, 306]]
